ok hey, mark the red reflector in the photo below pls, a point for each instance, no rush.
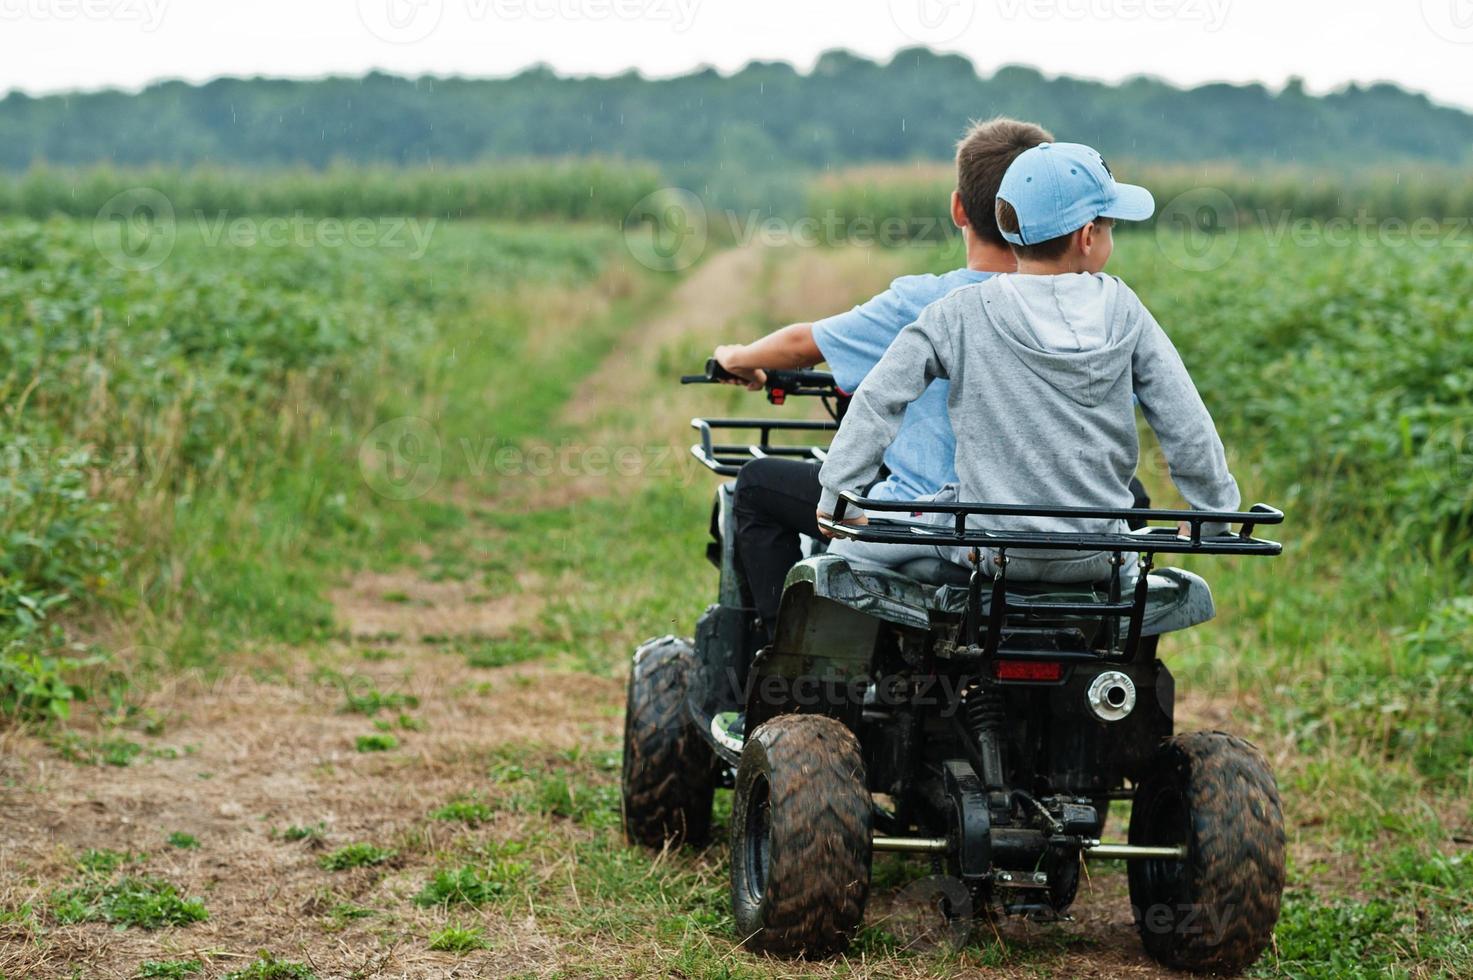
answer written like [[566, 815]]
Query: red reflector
[[1029, 670]]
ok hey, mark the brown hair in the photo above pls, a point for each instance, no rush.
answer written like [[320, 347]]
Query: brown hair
[[982, 157], [1054, 248]]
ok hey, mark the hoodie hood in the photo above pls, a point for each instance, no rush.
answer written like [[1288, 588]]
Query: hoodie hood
[[1075, 331]]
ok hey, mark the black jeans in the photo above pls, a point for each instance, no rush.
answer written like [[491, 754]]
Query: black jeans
[[776, 500]]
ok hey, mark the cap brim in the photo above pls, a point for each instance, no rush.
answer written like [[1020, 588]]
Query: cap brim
[[1132, 203]]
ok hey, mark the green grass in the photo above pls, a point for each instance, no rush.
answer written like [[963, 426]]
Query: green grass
[[268, 967], [183, 841], [376, 743], [296, 833], [467, 810], [459, 939], [246, 390], [371, 702], [550, 189], [472, 884], [100, 861], [136, 901], [169, 969], [359, 855]]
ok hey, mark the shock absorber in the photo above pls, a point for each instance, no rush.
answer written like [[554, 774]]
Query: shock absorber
[[986, 713]]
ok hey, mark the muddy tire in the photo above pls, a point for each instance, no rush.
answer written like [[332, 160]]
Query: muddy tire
[[1214, 912], [669, 770], [800, 838]]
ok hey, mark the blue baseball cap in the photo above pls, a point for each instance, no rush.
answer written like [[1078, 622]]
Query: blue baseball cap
[[1058, 188]]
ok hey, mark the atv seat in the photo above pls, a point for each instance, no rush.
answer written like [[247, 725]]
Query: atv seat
[[911, 594]]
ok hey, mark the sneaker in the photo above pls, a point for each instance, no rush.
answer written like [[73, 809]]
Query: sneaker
[[729, 729]]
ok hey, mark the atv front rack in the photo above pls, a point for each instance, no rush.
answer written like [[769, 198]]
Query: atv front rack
[[1147, 543], [726, 459]]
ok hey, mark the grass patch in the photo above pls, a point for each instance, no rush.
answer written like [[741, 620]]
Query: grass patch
[[183, 841], [169, 969], [371, 702], [360, 855], [380, 742], [472, 884], [268, 967], [466, 810], [100, 861], [294, 833], [136, 901], [459, 939], [96, 751]]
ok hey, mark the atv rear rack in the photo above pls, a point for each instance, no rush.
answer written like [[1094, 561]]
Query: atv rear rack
[[1146, 543]]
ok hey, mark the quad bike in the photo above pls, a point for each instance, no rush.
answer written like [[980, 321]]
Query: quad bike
[[950, 713]]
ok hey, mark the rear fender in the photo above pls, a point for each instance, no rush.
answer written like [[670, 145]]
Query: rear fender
[[828, 626]]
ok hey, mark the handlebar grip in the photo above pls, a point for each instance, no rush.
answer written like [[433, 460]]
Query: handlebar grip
[[715, 374]]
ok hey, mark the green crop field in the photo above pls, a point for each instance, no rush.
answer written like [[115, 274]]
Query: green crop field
[[321, 562]]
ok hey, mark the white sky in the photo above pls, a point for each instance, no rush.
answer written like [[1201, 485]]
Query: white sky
[[58, 45]]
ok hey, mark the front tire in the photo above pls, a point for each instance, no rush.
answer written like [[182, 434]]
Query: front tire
[[1214, 912], [669, 777], [800, 837]]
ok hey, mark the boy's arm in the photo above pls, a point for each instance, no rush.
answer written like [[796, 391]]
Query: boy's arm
[[1175, 412], [851, 342], [922, 353], [791, 347]]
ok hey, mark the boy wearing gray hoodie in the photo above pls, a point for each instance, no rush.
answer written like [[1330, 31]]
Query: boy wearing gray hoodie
[[1042, 365]]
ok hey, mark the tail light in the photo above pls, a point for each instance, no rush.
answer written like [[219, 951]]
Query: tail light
[[1037, 671]]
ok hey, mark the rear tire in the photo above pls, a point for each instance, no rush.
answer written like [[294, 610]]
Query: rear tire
[[669, 775], [800, 837], [1214, 912]]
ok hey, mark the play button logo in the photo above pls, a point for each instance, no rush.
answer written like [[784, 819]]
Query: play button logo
[[933, 21], [401, 21]]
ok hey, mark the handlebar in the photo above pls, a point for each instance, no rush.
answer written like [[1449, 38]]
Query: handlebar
[[779, 383]]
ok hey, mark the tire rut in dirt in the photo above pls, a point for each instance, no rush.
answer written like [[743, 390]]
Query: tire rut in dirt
[[669, 776], [1215, 912], [802, 891]]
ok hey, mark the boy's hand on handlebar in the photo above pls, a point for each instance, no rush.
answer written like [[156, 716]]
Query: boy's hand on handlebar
[[851, 522], [729, 357]]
